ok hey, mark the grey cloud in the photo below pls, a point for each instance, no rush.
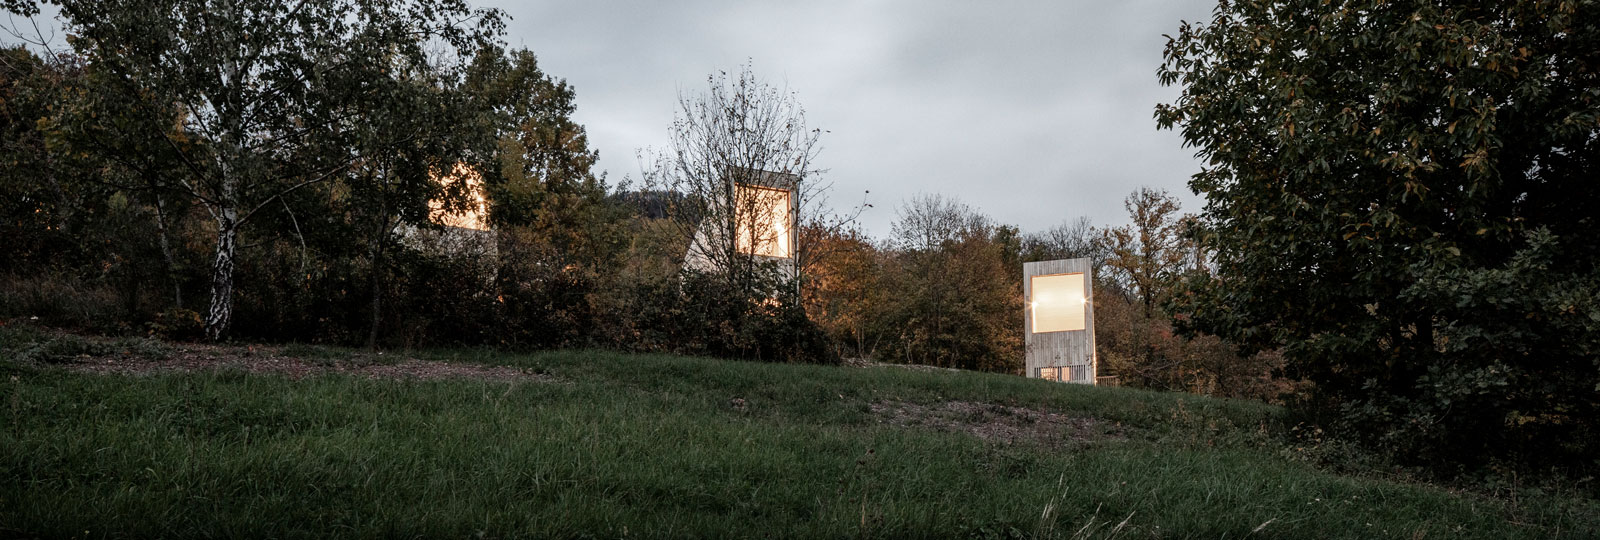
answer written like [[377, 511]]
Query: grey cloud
[[1034, 112]]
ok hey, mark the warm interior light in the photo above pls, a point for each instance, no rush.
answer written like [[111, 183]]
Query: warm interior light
[[1058, 303], [763, 221], [476, 215]]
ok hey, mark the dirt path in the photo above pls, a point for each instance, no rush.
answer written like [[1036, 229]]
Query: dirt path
[[998, 423], [288, 361]]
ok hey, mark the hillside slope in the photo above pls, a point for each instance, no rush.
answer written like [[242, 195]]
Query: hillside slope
[[142, 439]]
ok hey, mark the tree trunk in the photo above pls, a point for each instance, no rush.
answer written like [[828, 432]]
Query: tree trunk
[[221, 312], [166, 253], [226, 212], [377, 292], [379, 236]]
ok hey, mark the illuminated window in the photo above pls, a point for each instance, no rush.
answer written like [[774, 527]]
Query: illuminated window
[[764, 221], [1064, 374], [476, 215], [1058, 303], [1050, 374]]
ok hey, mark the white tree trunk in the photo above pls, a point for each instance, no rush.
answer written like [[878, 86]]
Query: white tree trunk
[[221, 312]]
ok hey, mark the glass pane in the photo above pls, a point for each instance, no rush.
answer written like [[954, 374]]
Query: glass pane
[[1058, 303], [475, 216], [763, 221]]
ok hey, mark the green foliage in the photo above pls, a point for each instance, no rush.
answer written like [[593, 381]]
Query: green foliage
[[1524, 344], [704, 314], [63, 300], [1137, 270], [1146, 352], [36, 347], [79, 230], [438, 298], [21, 7], [952, 291], [177, 324], [556, 233], [546, 171], [239, 104], [1373, 170]]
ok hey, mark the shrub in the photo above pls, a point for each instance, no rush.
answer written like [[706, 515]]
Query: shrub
[[175, 323], [700, 314], [33, 346]]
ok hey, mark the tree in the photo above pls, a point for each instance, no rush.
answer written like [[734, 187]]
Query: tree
[[544, 179], [740, 132], [397, 177], [1146, 255], [1077, 239], [846, 291], [1143, 262], [557, 233], [37, 204], [737, 185], [261, 98], [1401, 194], [953, 289], [26, 8]]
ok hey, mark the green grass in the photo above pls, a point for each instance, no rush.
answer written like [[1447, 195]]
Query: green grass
[[641, 445]]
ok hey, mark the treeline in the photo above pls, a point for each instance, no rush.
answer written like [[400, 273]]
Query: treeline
[[169, 191], [945, 289], [181, 191]]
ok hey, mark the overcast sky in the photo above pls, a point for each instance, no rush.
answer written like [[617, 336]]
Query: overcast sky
[[1034, 112]]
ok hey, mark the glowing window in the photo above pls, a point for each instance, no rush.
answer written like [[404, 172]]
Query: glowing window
[[764, 220], [1064, 374], [476, 215], [1058, 303]]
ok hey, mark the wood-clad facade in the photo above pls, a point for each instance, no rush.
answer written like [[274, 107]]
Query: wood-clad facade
[[1059, 320]]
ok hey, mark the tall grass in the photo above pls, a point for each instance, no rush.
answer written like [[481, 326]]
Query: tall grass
[[656, 446]]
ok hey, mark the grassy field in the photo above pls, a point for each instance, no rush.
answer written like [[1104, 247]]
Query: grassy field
[[600, 444]]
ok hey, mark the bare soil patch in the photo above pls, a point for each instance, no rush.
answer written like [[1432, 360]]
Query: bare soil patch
[[184, 358], [999, 423], [866, 363]]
